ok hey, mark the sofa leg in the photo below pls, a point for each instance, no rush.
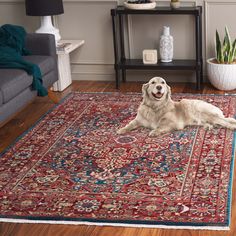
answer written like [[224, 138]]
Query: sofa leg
[[53, 96]]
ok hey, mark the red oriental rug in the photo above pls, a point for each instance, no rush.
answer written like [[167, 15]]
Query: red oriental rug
[[72, 168]]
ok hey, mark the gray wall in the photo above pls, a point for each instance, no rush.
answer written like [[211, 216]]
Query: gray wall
[[90, 20]]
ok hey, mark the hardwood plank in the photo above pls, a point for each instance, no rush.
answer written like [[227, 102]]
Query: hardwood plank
[[28, 116]]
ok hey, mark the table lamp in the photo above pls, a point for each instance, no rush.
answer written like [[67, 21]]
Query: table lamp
[[45, 9]]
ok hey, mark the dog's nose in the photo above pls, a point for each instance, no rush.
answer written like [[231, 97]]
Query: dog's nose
[[159, 87]]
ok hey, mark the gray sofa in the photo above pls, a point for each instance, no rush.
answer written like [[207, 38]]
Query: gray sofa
[[15, 84]]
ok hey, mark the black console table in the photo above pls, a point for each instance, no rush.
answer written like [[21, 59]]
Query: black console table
[[122, 63]]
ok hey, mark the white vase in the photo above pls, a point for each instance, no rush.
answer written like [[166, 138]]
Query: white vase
[[166, 45], [222, 76]]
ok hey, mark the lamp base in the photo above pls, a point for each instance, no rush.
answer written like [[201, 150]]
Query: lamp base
[[48, 28]]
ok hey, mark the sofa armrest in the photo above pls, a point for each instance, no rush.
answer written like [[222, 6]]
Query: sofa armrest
[[41, 44]]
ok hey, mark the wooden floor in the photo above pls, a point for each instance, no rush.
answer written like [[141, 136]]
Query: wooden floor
[[26, 118]]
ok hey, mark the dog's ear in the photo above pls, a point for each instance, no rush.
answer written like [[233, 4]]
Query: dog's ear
[[168, 91], [144, 89]]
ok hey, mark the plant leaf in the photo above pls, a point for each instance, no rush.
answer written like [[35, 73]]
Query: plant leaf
[[232, 53], [228, 45], [226, 52], [219, 54]]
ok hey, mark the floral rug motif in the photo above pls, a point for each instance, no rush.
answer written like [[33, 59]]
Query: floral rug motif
[[72, 167]]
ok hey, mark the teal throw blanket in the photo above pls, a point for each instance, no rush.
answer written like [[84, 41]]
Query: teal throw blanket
[[12, 48]]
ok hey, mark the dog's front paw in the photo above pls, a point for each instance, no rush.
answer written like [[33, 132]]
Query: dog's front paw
[[208, 127], [121, 131], [153, 133]]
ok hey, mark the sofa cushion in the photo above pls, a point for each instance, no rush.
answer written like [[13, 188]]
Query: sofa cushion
[[16, 104], [12, 82], [45, 63]]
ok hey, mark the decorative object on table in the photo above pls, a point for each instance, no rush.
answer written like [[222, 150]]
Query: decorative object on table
[[175, 4], [180, 180], [46, 9], [166, 45], [140, 4], [221, 70], [150, 56]]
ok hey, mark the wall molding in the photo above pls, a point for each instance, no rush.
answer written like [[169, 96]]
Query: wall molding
[[207, 4], [92, 71], [11, 2]]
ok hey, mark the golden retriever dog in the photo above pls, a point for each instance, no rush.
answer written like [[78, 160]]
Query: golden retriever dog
[[161, 114]]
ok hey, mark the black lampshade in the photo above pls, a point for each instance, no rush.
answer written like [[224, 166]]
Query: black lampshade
[[43, 7]]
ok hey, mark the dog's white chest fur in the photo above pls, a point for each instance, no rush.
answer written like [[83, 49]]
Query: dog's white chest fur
[[149, 117]]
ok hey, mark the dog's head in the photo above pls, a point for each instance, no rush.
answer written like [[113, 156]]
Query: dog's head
[[156, 89]]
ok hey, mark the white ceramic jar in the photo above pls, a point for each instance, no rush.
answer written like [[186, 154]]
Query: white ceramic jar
[[166, 45]]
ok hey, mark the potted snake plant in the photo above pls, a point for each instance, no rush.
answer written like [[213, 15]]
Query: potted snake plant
[[221, 70]]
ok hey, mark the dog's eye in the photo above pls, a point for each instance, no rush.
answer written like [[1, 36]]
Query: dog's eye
[[163, 82], [153, 82]]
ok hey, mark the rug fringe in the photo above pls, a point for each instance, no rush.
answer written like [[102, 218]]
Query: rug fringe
[[25, 221]]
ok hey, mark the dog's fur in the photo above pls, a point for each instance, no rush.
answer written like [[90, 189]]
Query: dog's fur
[[161, 114]]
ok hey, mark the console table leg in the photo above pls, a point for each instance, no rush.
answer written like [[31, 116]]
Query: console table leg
[[200, 39], [115, 44], [202, 73], [198, 51], [117, 79], [123, 75], [198, 79], [122, 45]]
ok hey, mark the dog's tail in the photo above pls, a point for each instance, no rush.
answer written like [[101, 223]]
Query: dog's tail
[[229, 123]]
